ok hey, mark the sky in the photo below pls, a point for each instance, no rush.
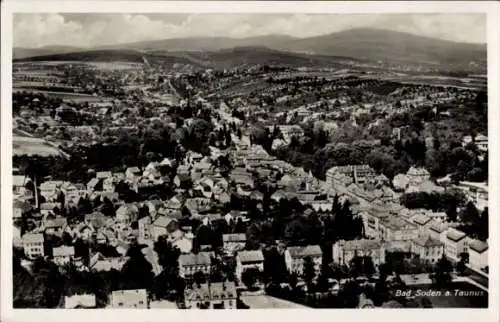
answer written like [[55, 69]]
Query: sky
[[93, 29]]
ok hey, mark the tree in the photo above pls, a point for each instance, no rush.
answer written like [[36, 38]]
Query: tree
[[443, 271], [137, 271], [249, 277], [199, 277], [309, 272], [470, 214], [451, 212]]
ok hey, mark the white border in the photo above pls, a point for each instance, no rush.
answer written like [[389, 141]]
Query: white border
[[407, 315]]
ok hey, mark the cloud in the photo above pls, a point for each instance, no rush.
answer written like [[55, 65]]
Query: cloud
[[87, 30]]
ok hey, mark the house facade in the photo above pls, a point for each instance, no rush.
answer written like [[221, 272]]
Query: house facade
[[478, 254], [249, 259], [233, 242], [428, 249], [33, 245], [189, 264], [211, 296], [295, 256], [454, 244], [344, 251]]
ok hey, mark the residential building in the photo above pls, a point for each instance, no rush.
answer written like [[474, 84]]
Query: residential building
[[248, 259], [454, 244], [50, 208], [103, 174], [438, 230], [478, 254], [191, 263], [129, 299], [393, 228], [233, 242], [417, 175], [481, 142], [144, 227], [422, 222], [345, 251], [73, 192], [295, 256], [475, 192], [353, 174], [49, 190], [18, 208], [63, 255], [211, 296], [132, 173], [33, 245], [19, 186], [163, 226], [290, 131], [94, 185], [372, 220], [55, 226], [184, 243], [427, 248]]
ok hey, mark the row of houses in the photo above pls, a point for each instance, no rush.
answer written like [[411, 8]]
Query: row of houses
[[423, 234]]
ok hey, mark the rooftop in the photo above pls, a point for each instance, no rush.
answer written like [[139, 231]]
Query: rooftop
[[32, 238], [455, 235], [427, 242], [361, 244], [304, 251], [63, 251], [421, 219], [251, 256], [202, 258], [234, 237], [478, 246]]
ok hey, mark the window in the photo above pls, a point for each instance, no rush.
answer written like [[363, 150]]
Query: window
[[120, 304], [141, 302]]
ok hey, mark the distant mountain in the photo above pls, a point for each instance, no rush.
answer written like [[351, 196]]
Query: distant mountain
[[362, 44], [225, 58], [19, 52], [204, 43], [389, 46]]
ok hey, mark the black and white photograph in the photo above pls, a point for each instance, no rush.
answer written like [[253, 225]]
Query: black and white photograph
[[202, 161]]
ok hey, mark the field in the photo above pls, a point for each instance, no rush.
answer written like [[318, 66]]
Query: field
[[22, 144], [74, 97]]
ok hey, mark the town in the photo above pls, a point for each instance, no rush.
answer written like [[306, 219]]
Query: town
[[160, 183]]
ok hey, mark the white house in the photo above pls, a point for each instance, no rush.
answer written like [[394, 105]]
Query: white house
[[63, 255], [295, 256], [249, 259], [33, 245], [478, 254]]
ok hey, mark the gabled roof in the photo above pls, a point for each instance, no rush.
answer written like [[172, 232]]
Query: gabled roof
[[63, 251], [304, 251], [50, 205], [360, 244], [251, 256], [202, 258], [427, 242], [163, 221], [32, 238], [56, 223], [234, 237], [134, 170]]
